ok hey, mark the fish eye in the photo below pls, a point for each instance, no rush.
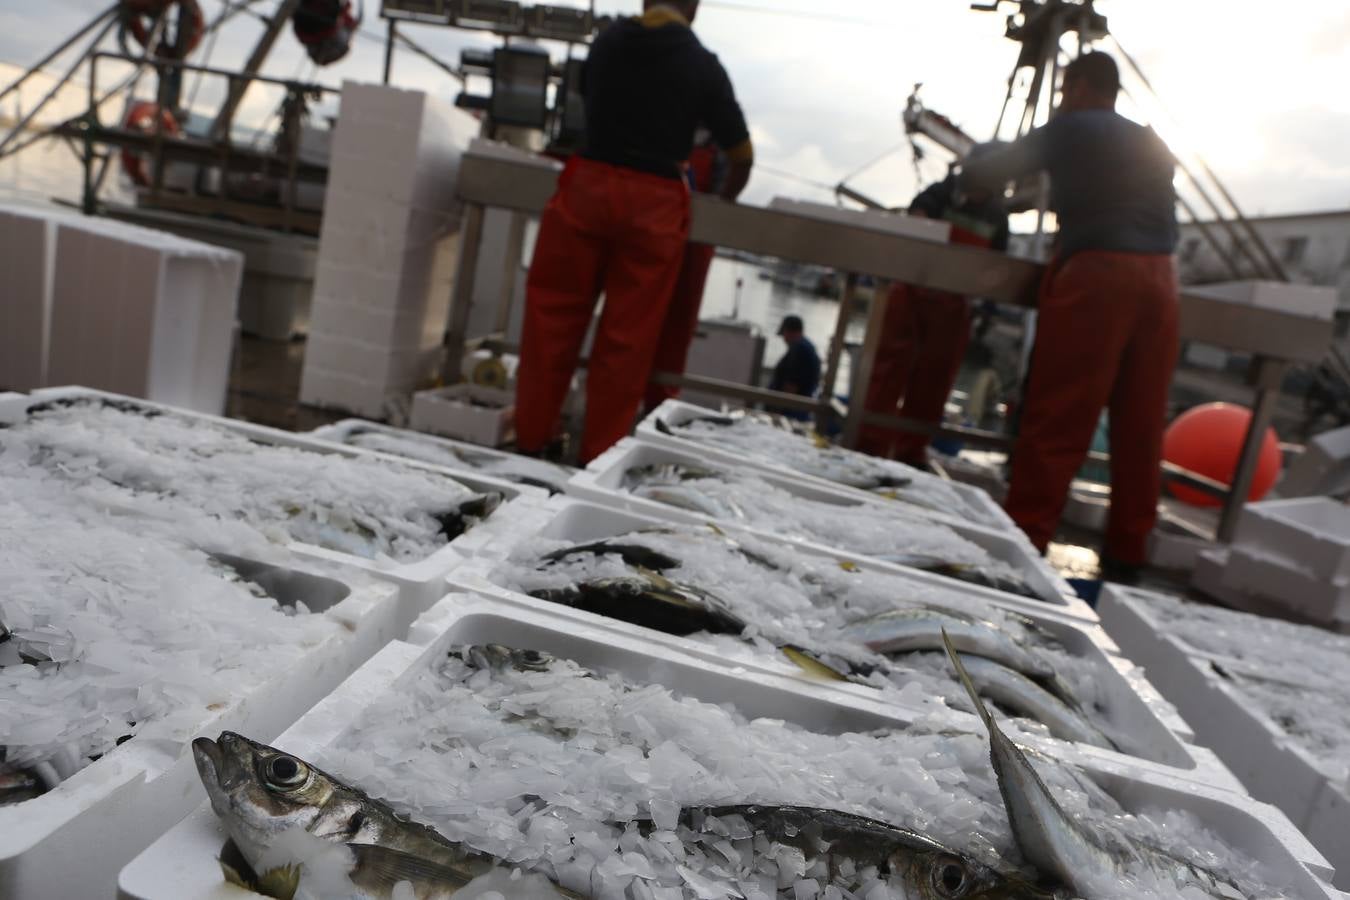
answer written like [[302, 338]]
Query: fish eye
[[286, 772], [949, 877]]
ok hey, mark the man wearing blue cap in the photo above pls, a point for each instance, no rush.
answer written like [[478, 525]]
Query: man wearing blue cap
[[798, 372]]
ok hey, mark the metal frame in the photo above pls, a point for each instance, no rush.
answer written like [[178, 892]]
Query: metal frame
[[490, 176]]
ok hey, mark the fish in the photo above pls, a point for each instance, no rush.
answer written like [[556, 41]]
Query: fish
[[1059, 846], [18, 785], [929, 870], [634, 555], [922, 628], [999, 581], [265, 797], [499, 658], [456, 521], [691, 499], [650, 600], [1021, 696]]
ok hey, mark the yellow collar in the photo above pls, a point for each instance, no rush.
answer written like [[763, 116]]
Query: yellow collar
[[659, 16]]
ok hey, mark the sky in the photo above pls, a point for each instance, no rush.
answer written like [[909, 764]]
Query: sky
[[1257, 90]]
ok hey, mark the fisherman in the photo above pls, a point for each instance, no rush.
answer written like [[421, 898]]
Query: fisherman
[[705, 172], [798, 372], [1107, 331], [925, 333], [619, 222]]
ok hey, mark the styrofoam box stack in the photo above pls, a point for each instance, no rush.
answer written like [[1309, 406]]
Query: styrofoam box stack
[[1323, 467], [1257, 750], [1135, 707], [1293, 554], [422, 581], [602, 482], [117, 307], [182, 864], [662, 427], [469, 412], [73, 840], [387, 249], [27, 247]]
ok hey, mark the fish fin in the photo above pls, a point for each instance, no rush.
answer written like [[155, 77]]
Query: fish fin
[[715, 530], [812, 666], [821, 442], [967, 683], [848, 565], [662, 427], [382, 867]]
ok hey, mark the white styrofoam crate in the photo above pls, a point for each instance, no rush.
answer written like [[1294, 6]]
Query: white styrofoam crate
[[538, 472], [1289, 585], [27, 249], [453, 412], [72, 841], [422, 579], [674, 413], [182, 864], [1272, 767], [142, 312], [1311, 532], [602, 482], [1322, 468]]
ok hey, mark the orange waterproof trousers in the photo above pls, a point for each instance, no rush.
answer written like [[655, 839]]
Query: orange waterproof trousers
[[923, 341], [1106, 337], [677, 335], [607, 229]]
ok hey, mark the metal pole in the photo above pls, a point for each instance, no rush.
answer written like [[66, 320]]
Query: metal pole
[[857, 400], [515, 243], [840, 331], [390, 37], [1269, 376], [220, 129], [70, 42], [90, 199], [461, 301]]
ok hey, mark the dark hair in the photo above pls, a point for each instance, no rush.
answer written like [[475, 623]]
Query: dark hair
[[1097, 70], [791, 323]]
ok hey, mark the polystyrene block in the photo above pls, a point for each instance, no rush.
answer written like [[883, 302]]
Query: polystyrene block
[[468, 412], [143, 314], [1322, 468], [1291, 586], [1312, 533], [27, 242]]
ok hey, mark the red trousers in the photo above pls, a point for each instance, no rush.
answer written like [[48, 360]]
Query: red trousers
[[1106, 337], [677, 335], [923, 341], [607, 229]]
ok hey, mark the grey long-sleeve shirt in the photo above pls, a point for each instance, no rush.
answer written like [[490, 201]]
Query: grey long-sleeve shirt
[[1110, 181]]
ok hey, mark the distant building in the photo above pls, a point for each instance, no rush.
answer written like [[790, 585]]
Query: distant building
[[1313, 248]]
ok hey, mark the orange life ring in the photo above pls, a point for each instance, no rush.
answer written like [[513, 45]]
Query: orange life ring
[[139, 17], [145, 116]]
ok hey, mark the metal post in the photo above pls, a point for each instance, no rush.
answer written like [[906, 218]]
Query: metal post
[[89, 202], [846, 296], [857, 400], [390, 37], [515, 242], [461, 302], [1269, 376], [220, 129]]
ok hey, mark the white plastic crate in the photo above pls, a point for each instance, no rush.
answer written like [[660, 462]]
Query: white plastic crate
[[1312, 533], [673, 413], [1288, 585], [602, 482], [1255, 749], [1133, 706], [72, 841], [456, 455], [182, 864], [468, 412], [421, 580]]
